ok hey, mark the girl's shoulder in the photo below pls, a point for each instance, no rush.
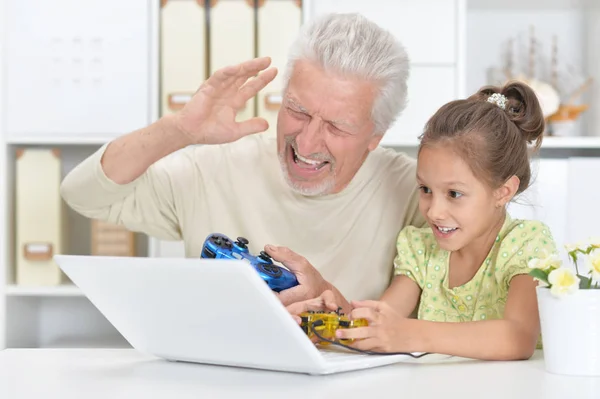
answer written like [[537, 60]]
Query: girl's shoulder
[[417, 237], [519, 241], [520, 231], [420, 245], [418, 254]]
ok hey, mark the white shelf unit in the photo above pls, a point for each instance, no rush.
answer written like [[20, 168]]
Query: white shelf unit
[[93, 70], [66, 290], [448, 48], [549, 142]]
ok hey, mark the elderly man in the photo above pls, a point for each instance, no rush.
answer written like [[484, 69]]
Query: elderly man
[[322, 198]]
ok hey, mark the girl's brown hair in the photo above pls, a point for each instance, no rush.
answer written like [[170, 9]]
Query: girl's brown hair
[[493, 141]]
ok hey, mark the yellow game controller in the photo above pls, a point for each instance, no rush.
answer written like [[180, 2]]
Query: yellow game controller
[[323, 325]]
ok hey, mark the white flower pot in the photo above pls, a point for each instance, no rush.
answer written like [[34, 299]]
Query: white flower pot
[[571, 331]]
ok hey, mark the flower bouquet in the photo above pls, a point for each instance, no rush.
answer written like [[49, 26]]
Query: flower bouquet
[[569, 307]]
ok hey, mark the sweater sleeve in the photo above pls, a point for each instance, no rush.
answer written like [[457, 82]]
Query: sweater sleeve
[[146, 205]]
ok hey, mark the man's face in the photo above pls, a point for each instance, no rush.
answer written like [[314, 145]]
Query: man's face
[[324, 129]]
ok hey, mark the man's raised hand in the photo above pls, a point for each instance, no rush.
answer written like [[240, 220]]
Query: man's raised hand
[[210, 116]]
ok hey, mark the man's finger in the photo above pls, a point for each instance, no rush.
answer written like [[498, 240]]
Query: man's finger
[[253, 66], [253, 86], [292, 295], [252, 125], [321, 303], [329, 300], [224, 77], [250, 69], [296, 308], [230, 74], [287, 257]]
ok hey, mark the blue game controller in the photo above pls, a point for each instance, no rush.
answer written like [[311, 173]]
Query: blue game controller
[[219, 246]]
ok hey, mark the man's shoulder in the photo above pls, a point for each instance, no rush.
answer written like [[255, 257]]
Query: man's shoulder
[[394, 164], [394, 171], [394, 157]]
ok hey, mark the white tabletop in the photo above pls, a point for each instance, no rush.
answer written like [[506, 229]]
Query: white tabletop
[[126, 373]]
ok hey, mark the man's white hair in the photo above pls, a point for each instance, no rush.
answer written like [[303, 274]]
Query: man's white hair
[[351, 44]]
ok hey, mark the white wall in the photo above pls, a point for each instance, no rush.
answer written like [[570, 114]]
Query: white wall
[[489, 31]]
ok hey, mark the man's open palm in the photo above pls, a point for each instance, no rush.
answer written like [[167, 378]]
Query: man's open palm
[[209, 117]]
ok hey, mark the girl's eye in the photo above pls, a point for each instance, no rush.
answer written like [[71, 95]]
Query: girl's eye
[[425, 189], [454, 194]]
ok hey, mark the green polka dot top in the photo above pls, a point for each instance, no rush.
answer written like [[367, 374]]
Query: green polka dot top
[[484, 296]]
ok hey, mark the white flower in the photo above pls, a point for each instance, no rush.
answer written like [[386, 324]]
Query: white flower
[[580, 245], [594, 265], [545, 263], [563, 281]]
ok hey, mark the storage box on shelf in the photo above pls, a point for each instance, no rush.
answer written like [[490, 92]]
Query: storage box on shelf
[[40, 310], [200, 37]]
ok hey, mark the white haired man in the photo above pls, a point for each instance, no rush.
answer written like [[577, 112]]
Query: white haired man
[[322, 198]]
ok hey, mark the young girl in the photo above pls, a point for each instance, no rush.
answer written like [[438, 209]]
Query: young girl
[[466, 273]]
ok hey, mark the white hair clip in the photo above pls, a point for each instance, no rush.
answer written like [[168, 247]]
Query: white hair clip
[[498, 99]]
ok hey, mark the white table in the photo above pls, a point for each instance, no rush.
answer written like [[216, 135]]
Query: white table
[[126, 373]]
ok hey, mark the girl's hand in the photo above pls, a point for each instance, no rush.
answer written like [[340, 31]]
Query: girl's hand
[[387, 331]]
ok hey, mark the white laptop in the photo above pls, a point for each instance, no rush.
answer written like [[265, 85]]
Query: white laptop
[[206, 311]]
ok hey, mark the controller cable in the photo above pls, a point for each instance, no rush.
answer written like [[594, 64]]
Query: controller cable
[[317, 323]]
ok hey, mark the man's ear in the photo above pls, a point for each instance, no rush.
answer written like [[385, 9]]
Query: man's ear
[[374, 141], [507, 191]]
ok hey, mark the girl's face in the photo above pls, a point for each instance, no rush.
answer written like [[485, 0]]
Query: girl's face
[[458, 207]]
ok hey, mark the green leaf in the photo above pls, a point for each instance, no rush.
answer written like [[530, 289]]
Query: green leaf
[[540, 275], [573, 256], [584, 282]]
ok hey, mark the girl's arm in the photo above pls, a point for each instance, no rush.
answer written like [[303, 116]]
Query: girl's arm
[[402, 295], [512, 338]]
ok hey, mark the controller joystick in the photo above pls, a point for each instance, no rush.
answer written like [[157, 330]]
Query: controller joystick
[[325, 324], [265, 256], [242, 242], [219, 246]]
